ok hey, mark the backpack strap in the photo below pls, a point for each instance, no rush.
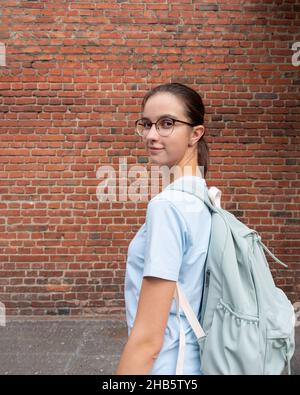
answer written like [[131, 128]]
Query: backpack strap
[[215, 196], [182, 302], [211, 196], [181, 351], [212, 199], [258, 238]]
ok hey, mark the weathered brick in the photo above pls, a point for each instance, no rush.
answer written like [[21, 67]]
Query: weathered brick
[[71, 90]]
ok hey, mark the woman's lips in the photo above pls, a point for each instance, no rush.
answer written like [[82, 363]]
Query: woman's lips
[[155, 149]]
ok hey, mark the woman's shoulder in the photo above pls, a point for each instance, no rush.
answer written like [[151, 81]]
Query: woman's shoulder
[[181, 201]]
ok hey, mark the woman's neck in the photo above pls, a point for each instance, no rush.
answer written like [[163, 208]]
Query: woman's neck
[[188, 166]]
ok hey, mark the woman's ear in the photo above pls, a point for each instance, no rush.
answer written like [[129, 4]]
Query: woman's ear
[[197, 133]]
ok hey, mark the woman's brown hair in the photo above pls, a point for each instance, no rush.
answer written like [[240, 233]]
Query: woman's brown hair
[[195, 111]]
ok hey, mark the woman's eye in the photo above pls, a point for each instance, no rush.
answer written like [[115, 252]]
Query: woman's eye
[[147, 125], [166, 123]]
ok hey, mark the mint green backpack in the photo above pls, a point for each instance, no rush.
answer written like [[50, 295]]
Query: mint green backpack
[[246, 325]]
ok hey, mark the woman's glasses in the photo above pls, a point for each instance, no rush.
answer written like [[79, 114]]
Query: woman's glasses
[[164, 126]]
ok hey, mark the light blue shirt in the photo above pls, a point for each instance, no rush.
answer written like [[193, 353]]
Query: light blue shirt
[[172, 244]]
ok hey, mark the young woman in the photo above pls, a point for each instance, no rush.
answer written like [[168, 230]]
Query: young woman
[[172, 244]]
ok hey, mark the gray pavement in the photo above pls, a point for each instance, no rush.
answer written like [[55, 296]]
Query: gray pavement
[[62, 346], [70, 346]]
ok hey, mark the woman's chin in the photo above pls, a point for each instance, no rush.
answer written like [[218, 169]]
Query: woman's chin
[[155, 159]]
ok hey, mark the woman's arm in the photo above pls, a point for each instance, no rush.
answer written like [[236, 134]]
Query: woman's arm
[[147, 335]]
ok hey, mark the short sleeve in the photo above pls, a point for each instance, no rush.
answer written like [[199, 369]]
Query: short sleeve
[[166, 240]]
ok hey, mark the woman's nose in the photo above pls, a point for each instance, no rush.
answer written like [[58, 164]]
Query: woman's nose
[[152, 133]]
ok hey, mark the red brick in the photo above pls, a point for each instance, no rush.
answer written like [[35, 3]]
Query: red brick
[[69, 98]]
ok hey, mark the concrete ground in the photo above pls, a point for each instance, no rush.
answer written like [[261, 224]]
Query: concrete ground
[[70, 346]]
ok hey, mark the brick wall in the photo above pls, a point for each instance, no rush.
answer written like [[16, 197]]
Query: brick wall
[[70, 90]]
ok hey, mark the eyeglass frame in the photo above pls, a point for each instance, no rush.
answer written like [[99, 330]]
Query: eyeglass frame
[[154, 123]]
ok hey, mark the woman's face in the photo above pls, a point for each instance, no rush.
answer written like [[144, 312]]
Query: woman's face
[[175, 145]]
